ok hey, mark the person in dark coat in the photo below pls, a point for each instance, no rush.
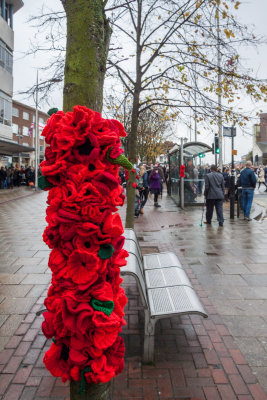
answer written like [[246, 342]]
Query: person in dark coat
[[155, 185], [214, 194], [142, 186], [227, 183], [248, 182]]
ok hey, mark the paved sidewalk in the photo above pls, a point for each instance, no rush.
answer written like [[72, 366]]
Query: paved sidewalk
[[195, 358]]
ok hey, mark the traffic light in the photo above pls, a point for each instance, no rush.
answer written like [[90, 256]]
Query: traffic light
[[201, 155], [216, 145]]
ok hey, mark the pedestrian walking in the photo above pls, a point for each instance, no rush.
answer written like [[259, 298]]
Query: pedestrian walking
[[261, 180], [226, 177], [265, 173], [142, 185], [248, 182], [200, 180], [155, 185], [214, 194]]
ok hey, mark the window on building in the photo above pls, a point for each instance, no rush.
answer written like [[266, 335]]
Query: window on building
[[41, 149], [25, 131], [41, 121], [5, 109], [6, 57], [15, 112], [26, 116], [15, 128]]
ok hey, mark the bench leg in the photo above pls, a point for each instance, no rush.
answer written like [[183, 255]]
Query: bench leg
[[149, 340]]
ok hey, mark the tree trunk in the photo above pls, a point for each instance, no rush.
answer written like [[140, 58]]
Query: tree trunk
[[88, 36], [92, 391], [129, 223]]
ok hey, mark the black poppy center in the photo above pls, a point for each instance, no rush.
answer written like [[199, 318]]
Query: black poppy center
[[91, 167], [65, 352], [86, 148], [87, 245]]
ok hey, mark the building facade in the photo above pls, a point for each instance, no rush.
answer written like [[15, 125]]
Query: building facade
[[23, 132], [7, 9], [260, 141]]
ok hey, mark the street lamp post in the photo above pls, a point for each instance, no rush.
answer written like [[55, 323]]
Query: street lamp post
[[232, 180], [219, 87], [182, 179], [36, 136], [20, 136]]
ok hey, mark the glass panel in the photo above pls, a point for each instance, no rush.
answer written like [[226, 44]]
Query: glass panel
[[1, 110], [175, 176], [6, 57], [175, 190], [15, 112], [15, 128], [193, 191], [7, 112], [25, 131], [26, 115]]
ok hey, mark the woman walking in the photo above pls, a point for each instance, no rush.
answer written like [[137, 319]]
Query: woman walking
[[155, 185], [142, 186], [261, 179]]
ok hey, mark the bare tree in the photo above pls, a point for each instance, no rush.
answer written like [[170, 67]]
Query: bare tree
[[165, 54], [153, 129], [174, 46]]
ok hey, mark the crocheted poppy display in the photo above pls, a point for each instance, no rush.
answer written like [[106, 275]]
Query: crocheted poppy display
[[85, 301]]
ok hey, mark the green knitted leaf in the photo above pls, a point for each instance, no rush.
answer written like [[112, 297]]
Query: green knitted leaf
[[121, 160], [105, 251], [54, 340], [52, 111], [105, 306], [43, 183], [83, 381]]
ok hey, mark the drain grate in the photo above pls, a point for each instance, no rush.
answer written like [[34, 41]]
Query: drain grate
[[149, 249]]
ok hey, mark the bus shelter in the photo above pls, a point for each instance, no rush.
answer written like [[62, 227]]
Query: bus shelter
[[188, 190]]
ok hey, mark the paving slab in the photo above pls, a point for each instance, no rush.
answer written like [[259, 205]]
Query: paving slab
[[194, 358], [17, 305]]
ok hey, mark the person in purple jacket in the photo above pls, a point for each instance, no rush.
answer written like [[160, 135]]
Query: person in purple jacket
[[155, 185]]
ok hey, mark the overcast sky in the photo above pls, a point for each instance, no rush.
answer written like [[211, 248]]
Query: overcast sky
[[252, 12]]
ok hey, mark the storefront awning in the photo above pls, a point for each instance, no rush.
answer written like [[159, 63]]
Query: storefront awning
[[8, 148]]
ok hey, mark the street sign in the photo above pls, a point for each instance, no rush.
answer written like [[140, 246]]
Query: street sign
[[229, 131], [234, 152]]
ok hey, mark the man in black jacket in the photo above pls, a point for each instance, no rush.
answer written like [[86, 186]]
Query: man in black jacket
[[214, 194]]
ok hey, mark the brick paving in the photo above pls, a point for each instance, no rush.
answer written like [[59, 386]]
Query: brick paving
[[195, 358]]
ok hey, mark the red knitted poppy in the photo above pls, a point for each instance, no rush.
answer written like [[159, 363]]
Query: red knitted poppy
[[85, 301]]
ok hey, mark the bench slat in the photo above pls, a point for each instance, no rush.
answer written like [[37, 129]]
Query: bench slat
[[134, 268], [161, 260], [174, 300], [171, 276]]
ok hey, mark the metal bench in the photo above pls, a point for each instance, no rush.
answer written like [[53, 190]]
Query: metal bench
[[164, 292], [150, 261]]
